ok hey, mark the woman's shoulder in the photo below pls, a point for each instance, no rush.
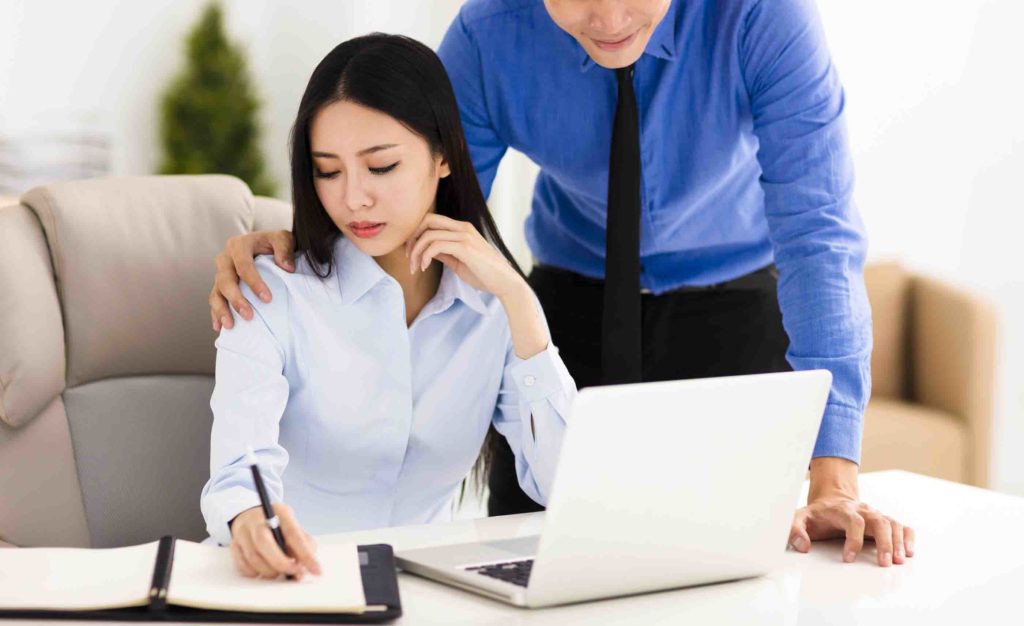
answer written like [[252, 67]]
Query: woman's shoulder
[[276, 279], [283, 285], [274, 276]]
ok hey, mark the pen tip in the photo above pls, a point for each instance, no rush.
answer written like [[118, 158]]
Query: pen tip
[[250, 456]]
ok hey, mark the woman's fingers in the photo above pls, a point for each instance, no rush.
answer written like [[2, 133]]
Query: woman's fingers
[[416, 255], [267, 548], [453, 248], [449, 260], [255, 560], [241, 562], [299, 542], [440, 222]]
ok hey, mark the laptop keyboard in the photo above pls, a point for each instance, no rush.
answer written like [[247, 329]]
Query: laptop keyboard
[[515, 572]]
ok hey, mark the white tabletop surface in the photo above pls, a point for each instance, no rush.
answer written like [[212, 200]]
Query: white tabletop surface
[[969, 566]]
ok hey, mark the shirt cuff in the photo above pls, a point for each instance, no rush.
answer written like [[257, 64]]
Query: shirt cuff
[[220, 508], [841, 433], [536, 378]]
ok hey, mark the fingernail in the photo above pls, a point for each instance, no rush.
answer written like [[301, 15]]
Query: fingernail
[[264, 296], [225, 322], [910, 546], [289, 264], [886, 559], [798, 543], [849, 556], [900, 553]]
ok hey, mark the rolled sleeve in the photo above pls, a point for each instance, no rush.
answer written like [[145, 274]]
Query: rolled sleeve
[[818, 238], [840, 433]]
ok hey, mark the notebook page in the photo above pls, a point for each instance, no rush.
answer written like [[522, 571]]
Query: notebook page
[[76, 578], [205, 576]]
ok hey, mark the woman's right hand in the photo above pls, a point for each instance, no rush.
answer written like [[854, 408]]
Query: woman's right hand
[[236, 261], [257, 554]]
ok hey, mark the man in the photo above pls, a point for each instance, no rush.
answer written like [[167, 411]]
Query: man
[[692, 216]]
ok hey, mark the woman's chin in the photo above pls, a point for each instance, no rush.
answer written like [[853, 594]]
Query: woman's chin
[[375, 246]]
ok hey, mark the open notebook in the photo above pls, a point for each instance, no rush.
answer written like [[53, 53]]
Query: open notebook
[[164, 575]]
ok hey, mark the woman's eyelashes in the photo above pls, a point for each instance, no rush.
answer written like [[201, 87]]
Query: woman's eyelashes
[[385, 169], [379, 171]]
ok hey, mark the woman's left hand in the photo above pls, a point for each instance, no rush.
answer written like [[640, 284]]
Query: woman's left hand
[[461, 247]]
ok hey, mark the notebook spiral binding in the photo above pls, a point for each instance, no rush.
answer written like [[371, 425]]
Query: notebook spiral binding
[[161, 574]]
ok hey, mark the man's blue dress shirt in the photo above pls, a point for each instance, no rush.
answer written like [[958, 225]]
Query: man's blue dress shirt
[[744, 161]]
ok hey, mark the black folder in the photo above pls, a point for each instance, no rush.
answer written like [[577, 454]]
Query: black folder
[[380, 586]]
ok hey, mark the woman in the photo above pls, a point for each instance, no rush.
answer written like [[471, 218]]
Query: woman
[[400, 337]]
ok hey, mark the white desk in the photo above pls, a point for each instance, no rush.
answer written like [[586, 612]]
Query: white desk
[[970, 566]]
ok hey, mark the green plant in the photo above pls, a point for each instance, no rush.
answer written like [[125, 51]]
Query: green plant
[[208, 115]]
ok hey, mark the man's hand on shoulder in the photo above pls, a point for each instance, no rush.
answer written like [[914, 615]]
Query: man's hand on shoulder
[[236, 262]]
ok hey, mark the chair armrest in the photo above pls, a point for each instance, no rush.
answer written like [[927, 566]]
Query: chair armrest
[[952, 361]]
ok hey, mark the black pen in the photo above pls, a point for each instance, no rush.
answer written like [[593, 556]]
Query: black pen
[[273, 523]]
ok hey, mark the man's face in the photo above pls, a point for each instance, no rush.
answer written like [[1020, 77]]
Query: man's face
[[613, 32]]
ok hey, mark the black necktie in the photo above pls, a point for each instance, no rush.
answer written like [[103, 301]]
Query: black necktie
[[621, 347]]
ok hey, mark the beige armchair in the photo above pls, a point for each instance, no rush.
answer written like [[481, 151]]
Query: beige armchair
[[933, 367], [107, 355]]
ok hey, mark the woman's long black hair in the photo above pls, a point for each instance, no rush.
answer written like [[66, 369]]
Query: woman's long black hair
[[404, 79]]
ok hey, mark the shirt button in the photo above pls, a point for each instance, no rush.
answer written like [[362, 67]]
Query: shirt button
[[529, 381]]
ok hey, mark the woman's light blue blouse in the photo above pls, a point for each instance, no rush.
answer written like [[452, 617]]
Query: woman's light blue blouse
[[359, 421]]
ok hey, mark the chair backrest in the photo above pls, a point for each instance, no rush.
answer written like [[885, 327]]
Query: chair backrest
[[888, 287], [107, 355]]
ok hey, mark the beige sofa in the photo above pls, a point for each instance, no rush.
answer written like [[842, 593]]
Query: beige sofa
[[933, 368], [107, 356]]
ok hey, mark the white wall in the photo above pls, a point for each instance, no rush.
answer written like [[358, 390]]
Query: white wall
[[108, 61], [936, 96], [934, 87]]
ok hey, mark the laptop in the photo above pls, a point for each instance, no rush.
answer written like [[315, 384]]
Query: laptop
[[659, 486]]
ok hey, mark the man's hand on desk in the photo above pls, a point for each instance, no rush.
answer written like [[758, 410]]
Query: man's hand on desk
[[834, 510]]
